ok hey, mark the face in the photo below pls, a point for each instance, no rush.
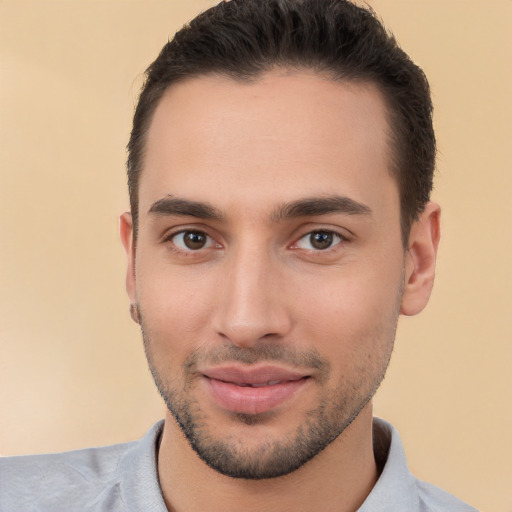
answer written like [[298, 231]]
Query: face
[[268, 270]]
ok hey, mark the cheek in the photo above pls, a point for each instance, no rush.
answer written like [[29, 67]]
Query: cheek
[[350, 315], [174, 304]]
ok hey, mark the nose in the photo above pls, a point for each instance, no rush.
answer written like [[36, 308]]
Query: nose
[[252, 303]]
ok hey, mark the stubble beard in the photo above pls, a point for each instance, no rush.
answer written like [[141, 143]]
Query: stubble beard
[[273, 458]]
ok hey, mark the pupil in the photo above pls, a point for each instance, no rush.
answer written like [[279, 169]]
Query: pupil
[[194, 240], [321, 240]]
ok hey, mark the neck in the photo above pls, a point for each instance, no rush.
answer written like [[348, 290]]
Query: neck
[[339, 478]]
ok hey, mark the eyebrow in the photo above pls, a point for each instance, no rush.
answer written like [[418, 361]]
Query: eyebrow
[[316, 206], [306, 207], [184, 207]]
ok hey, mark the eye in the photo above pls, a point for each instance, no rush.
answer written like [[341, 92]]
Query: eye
[[191, 240], [319, 240]]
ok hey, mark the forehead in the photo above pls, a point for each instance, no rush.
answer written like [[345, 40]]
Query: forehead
[[284, 134]]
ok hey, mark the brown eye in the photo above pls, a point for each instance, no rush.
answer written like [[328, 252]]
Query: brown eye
[[319, 240], [192, 240]]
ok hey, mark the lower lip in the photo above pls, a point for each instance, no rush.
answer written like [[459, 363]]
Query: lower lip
[[250, 400]]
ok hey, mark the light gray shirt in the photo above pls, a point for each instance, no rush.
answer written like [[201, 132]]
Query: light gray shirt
[[124, 478]]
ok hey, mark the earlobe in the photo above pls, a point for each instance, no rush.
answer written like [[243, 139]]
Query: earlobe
[[126, 233], [420, 260], [134, 313]]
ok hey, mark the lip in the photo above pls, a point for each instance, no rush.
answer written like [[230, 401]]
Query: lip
[[252, 390]]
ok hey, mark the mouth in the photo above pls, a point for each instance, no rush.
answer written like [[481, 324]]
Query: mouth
[[262, 384], [253, 390]]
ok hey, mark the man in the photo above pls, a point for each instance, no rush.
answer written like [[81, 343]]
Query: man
[[280, 167]]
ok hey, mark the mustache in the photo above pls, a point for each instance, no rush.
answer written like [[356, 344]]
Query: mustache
[[262, 351]]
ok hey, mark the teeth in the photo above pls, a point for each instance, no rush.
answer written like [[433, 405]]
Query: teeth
[[259, 385], [269, 383]]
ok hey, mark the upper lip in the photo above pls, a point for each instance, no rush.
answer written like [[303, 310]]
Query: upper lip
[[261, 375]]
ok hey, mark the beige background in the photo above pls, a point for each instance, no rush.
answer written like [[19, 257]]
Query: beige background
[[72, 369]]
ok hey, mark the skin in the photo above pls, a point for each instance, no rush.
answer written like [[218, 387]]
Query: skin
[[259, 292]]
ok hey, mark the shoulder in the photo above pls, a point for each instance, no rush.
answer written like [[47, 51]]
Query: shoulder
[[53, 481], [93, 479], [434, 499]]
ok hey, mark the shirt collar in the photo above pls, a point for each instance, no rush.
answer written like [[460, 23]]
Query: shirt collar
[[138, 471], [395, 490]]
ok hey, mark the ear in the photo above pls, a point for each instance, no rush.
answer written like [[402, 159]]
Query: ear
[[126, 232], [420, 260]]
